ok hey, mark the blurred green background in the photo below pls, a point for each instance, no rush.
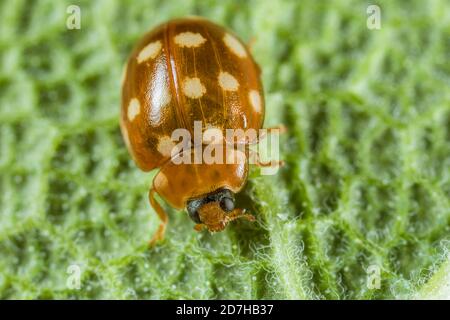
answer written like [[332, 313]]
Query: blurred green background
[[365, 187]]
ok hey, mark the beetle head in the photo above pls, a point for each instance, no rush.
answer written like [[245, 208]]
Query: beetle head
[[214, 211]]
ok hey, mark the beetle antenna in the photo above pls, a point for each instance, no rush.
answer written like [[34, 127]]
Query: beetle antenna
[[241, 213]]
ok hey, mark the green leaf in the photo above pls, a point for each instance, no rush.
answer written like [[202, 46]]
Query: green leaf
[[364, 192]]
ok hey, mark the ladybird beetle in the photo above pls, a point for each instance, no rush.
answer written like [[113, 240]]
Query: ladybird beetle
[[183, 71]]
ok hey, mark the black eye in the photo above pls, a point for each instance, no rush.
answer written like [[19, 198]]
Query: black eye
[[194, 216], [192, 209], [227, 204]]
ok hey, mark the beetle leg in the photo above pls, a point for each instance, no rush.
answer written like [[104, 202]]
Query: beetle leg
[[279, 129], [255, 159], [241, 213], [159, 234]]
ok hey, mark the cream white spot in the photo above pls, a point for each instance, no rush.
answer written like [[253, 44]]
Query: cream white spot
[[255, 100], [165, 146], [134, 108], [189, 39], [193, 88], [150, 51], [234, 45], [161, 180], [228, 82]]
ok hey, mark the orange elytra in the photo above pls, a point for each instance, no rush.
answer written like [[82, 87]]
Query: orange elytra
[[183, 71]]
